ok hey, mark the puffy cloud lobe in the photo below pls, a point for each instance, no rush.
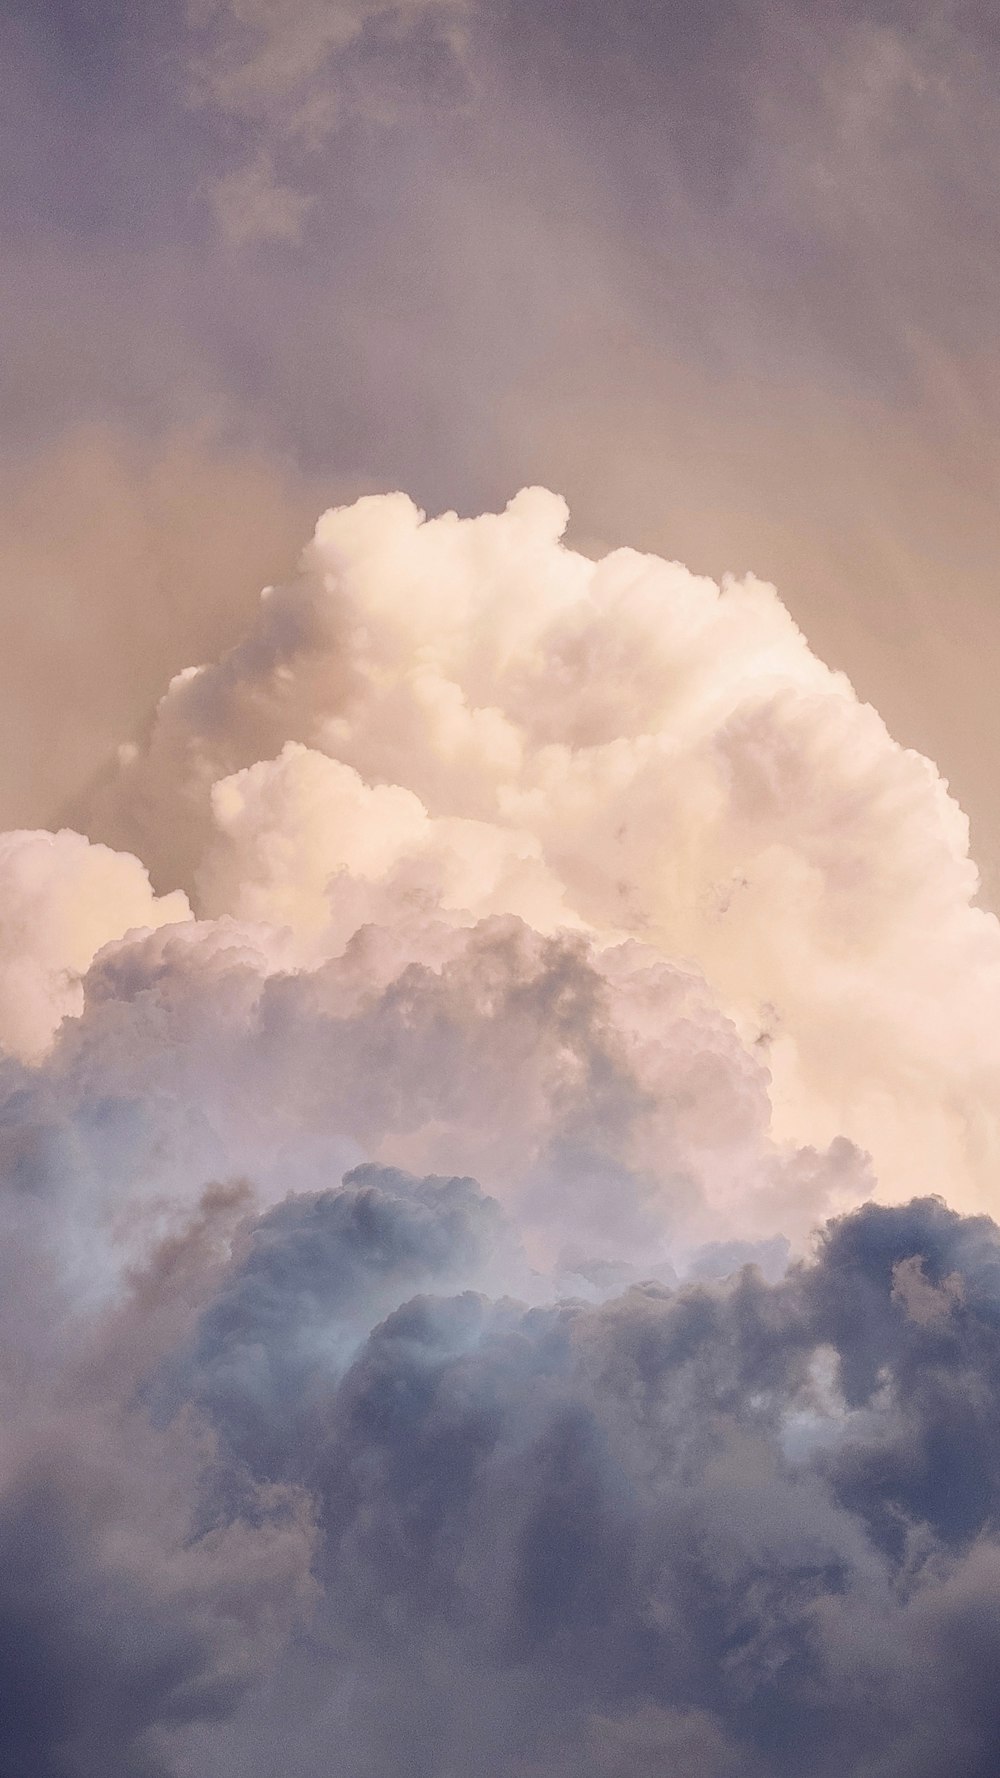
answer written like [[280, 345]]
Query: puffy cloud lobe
[[61, 900], [304, 842], [316, 1275]]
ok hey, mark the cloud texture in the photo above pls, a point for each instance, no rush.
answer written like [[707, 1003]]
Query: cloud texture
[[467, 719], [416, 1353]]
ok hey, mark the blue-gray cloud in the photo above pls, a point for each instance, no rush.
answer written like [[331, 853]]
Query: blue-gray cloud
[[749, 1527]]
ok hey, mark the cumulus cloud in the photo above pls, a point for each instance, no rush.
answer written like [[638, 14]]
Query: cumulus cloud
[[583, 1538], [618, 746], [297, 1513], [415, 1348]]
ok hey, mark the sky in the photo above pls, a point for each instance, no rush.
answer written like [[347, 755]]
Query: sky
[[499, 860], [721, 275]]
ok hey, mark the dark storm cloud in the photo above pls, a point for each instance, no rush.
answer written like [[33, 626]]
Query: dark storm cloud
[[740, 1527], [718, 1526], [135, 1599], [745, 1527], [317, 1274]]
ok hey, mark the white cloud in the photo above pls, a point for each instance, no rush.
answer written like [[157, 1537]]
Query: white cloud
[[61, 899], [486, 721]]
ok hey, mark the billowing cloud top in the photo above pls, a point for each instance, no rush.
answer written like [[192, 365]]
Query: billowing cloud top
[[445, 721], [536, 942]]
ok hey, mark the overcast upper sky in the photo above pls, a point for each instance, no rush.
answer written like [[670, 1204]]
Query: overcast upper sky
[[722, 274]]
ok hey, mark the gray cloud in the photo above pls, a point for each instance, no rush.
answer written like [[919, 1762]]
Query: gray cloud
[[749, 1526], [135, 1597], [577, 1528], [316, 1275]]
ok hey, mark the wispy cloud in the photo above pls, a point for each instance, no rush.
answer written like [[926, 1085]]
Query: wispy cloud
[[251, 204], [291, 70]]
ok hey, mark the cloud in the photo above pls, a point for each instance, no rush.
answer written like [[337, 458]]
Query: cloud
[[745, 1525], [587, 879], [602, 1097], [252, 205], [136, 1596], [304, 841], [271, 61], [569, 1538], [291, 70], [466, 715], [312, 1277], [61, 899], [415, 1341]]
